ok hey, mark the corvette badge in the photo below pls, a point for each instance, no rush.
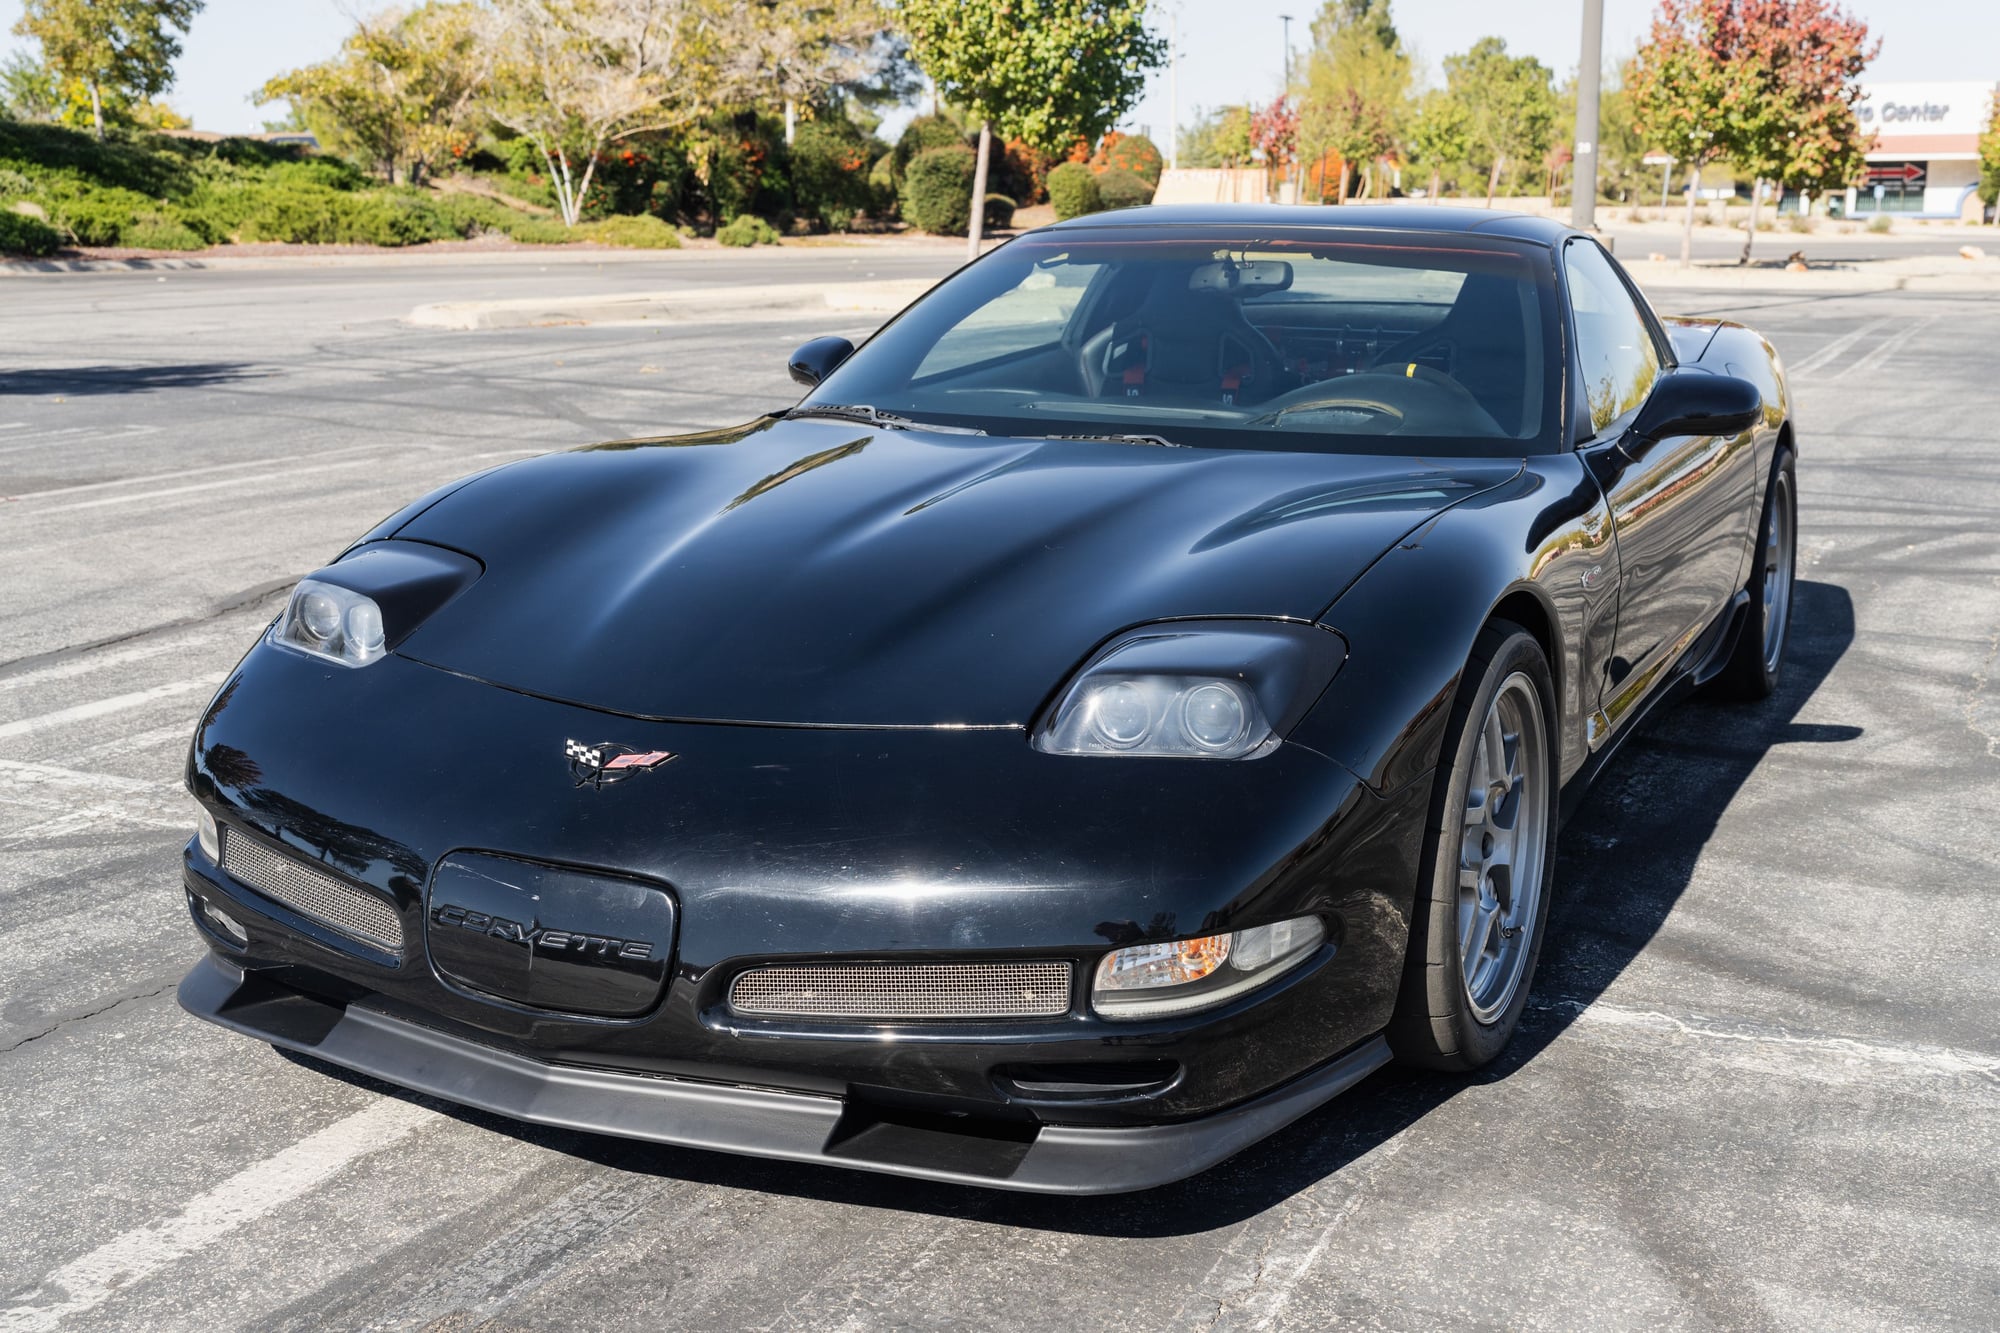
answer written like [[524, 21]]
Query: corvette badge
[[604, 763]]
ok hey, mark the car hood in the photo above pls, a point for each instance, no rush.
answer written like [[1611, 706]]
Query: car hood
[[820, 572]]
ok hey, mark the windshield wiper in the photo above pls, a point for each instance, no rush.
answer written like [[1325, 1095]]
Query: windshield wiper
[[874, 417], [1155, 440]]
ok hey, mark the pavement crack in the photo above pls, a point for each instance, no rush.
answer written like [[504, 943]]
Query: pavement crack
[[101, 1010], [254, 595]]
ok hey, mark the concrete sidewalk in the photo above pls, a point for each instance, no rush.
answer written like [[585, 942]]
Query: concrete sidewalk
[[1913, 273]]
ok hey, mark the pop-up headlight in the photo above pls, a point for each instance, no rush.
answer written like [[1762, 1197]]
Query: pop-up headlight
[[1221, 689], [356, 610], [333, 623]]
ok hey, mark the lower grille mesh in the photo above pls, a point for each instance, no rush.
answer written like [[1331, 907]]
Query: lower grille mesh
[[351, 911], [905, 990]]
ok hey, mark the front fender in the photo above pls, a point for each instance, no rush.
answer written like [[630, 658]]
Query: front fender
[[1537, 550]]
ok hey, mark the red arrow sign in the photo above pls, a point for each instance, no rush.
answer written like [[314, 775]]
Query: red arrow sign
[[1907, 171]]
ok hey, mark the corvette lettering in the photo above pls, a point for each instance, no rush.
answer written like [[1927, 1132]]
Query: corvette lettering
[[538, 936]]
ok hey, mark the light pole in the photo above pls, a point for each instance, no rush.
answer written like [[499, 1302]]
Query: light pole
[[1589, 73], [1287, 18]]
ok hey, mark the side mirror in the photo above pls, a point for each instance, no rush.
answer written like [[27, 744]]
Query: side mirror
[[818, 358], [1694, 402]]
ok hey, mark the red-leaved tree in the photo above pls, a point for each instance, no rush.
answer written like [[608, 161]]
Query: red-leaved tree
[[1790, 110], [1770, 85], [1275, 130]]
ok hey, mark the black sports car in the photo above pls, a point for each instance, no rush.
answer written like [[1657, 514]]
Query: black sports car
[[1128, 700]]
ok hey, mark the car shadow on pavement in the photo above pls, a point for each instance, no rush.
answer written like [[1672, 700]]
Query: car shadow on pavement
[[1622, 863], [102, 381]]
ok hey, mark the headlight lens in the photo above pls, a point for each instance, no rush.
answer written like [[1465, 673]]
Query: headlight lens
[[1193, 690], [1180, 976], [333, 623], [205, 834], [1161, 715]]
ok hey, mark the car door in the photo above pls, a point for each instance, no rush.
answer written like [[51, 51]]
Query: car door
[[1678, 506]]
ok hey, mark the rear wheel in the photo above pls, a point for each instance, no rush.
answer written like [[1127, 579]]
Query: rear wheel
[[1482, 903], [1759, 658]]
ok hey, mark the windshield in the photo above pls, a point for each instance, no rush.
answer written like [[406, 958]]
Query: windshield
[[1306, 338]]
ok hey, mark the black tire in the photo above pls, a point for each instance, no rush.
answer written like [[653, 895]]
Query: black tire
[[1437, 1023], [1757, 663]]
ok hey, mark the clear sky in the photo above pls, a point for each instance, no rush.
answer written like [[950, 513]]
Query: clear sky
[[1231, 50]]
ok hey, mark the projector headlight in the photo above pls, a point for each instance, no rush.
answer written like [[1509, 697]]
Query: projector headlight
[[1181, 976], [334, 623], [356, 610], [1223, 689]]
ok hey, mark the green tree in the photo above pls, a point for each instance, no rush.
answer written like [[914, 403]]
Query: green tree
[[1219, 138], [1680, 82], [1621, 149], [402, 92], [1989, 161], [1440, 139], [28, 90], [1046, 72], [115, 52], [1357, 94], [574, 76], [799, 53], [1509, 104]]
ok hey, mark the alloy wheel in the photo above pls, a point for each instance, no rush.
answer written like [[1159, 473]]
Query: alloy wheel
[[1502, 849]]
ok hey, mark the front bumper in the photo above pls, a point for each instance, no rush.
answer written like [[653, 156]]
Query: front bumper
[[763, 1122]]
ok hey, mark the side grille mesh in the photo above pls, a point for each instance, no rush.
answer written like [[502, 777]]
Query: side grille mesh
[[351, 911], [905, 990]]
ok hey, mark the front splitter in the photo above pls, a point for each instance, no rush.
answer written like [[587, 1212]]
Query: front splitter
[[758, 1122]]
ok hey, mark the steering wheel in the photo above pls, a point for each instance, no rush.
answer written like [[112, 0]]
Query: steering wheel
[[1419, 397]]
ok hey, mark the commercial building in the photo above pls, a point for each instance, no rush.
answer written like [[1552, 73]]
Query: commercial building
[[1924, 162]]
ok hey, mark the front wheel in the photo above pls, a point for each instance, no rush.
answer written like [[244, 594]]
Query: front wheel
[[1482, 901]]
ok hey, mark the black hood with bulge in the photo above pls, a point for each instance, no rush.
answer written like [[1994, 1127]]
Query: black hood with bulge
[[821, 572]]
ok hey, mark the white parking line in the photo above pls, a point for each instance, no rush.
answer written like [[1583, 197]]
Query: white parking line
[[85, 1283], [190, 472], [97, 661], [100, 708], [1834, 350], [66, 437]]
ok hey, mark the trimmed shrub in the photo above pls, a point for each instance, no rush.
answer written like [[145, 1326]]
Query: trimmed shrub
[[830, 173], [922, 135], [643, 232], [999, 212], [23, 235], [542, 231], [882, 186], [747, 230], [1073, 190], [470, 215], [1123, 189], [1137, 154], [95, 217], [161, 231], [937, 191]]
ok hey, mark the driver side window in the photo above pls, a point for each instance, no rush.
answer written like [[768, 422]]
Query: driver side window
[[1613, 343]]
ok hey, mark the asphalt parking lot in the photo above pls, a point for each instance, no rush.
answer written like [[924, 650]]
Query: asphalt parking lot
[[1760, 1086]]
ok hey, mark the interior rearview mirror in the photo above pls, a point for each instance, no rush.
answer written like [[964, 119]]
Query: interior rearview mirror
[[1246, 277], [1695, 402], [817, 359]]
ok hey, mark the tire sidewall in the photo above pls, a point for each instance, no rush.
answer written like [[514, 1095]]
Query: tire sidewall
[[1435, 981]]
